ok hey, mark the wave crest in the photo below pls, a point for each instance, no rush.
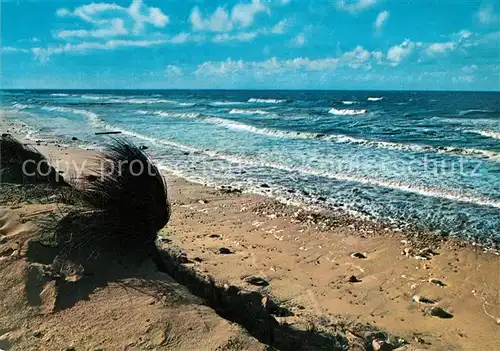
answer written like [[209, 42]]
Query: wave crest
[[266, 101], [375, 98], [346, 112], [487, 133], [248, 112]]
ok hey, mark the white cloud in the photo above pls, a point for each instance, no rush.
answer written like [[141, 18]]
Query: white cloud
[[10, 49], [486, 15], [184, 37], [245, 13], [469, 69], [356, 59], [154, 16], [280, 27], [225, 37], [354, 6], [173, 71], [440, 48], [104, 15], [241, 16], [117, 27], [218, 22], [463, 79], [63, 12], [382, 18], [299, 40], [398, 53]]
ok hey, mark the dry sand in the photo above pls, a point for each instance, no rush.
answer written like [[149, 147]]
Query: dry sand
[[309, 268]]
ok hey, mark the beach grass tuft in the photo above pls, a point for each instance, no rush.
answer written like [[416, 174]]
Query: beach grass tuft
[[22, 164]]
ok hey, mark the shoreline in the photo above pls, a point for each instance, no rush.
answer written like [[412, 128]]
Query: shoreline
[[307, 260], [331, 214]]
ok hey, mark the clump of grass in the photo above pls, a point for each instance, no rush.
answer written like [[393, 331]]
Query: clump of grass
[[123, 205], [22, 164]]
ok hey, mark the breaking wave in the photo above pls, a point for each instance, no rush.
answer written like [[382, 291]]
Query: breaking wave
[[347, 112], [487, 133], [248, 112], [375, 98], [266, 101], [348, 102]]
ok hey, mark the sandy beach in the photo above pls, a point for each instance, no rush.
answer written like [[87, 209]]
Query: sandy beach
[[329, 271]]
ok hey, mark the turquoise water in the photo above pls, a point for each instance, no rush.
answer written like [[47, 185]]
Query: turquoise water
[[430, 159]]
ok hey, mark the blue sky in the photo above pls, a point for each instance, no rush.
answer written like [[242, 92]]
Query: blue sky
[[252, 44]]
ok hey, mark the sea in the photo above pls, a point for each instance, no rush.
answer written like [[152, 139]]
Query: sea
[[409, 159]]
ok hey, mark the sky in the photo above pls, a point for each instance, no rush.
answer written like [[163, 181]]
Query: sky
[[251, 44]]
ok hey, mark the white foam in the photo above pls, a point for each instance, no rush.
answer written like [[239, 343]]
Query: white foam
[[145, 101], [466, 112], [59, 94], [346, 112], [226, 103], [93, 97], [337, 138], [375, 98], [22, 106], [175, 114], [487, 133], [91, 116], [266, 101], [425, 191], [347, 102], [248, 112]]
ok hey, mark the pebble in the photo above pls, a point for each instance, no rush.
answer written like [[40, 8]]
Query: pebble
[[354, 279], [436, 281], [359, 255], [380, 345], [255, 280], [225, 251], [74, 138], [439, 312], [422, 299]]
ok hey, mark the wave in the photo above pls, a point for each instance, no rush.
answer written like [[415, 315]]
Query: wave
[[337, 138], [170, 114], [91, 116], [487, 133], [346, 112], [93, 97], [466, 112], [348, 102], [375, 98], [147, 101], [248, 112], [22, 106], [425, 191], [59, 94], [226, 103], [266, 101]]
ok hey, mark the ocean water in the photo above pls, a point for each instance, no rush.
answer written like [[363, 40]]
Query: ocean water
[[429, 159]]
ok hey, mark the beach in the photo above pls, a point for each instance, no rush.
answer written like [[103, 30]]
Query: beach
[[330, 269]]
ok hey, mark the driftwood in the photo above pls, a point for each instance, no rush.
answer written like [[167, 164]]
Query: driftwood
[[105, 133]]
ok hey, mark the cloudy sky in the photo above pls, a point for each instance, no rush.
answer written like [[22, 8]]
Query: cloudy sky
[[271, 44]]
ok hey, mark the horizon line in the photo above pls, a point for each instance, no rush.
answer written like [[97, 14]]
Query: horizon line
[[253, 89]]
